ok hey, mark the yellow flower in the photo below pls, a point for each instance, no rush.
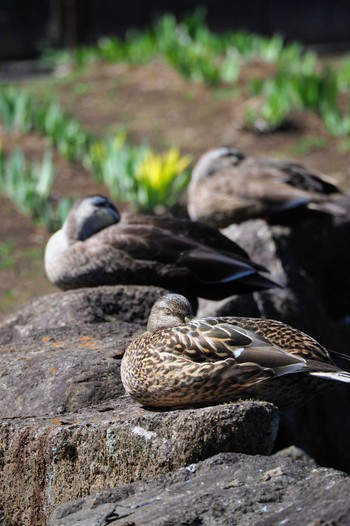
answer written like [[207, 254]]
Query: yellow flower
[[158, 170]]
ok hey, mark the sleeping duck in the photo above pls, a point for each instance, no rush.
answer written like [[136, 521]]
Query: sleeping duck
[[227, 186], [96, 246], [181, 361]]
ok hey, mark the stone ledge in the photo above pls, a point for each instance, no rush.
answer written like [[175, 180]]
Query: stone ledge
[[229, 488], [48, 461]]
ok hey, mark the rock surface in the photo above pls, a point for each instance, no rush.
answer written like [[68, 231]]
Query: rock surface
[[78, 307], [63, 370], [48, 461], [226, 489]]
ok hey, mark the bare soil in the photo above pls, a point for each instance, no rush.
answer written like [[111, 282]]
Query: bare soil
[[155, 104]]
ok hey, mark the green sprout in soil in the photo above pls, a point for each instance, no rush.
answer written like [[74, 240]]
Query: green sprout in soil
[[20, 112], [28, 186], [113, 161], [201, 55], [299, 90]]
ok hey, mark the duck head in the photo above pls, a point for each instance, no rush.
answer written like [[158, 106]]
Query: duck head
[[88, 216], [168, 311], [216, 160]]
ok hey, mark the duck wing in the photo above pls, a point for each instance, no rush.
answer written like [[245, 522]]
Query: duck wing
[[283, 186], [200, 232], [208, 266], [93, 263], [211, 341], [296, 344], [299, 176]]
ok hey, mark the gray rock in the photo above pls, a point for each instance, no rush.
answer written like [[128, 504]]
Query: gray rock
[[48, 461], [61, 370], [77, 307], [226, 489], [259, 238], [309, 260]]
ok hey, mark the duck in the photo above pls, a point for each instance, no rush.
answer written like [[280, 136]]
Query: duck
[[185, 362], [97, 246], [228, 186]]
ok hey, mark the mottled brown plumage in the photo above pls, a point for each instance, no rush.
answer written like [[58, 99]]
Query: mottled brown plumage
[[227, 186], [97, 247], [178, 362]]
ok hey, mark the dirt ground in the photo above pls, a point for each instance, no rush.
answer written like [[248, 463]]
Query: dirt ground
[[155, 104]]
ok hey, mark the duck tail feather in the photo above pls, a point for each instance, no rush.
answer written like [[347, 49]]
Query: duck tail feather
[[340, 376]]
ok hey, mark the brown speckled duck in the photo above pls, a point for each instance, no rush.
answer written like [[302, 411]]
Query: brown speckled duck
[[227, 186], [97, 247], [182, 361]]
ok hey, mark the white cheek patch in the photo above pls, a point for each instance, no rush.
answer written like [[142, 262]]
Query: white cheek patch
[[237, 353]]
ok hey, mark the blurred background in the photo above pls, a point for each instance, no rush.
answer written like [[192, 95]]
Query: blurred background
[[28, 27], [122, 99]]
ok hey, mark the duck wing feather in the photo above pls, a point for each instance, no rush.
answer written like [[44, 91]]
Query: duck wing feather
[[205, 341], [147, 242]]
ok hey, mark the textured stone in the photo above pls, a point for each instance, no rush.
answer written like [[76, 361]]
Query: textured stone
[[77, 307], [226, 489], [48, 461], [61, 370]]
